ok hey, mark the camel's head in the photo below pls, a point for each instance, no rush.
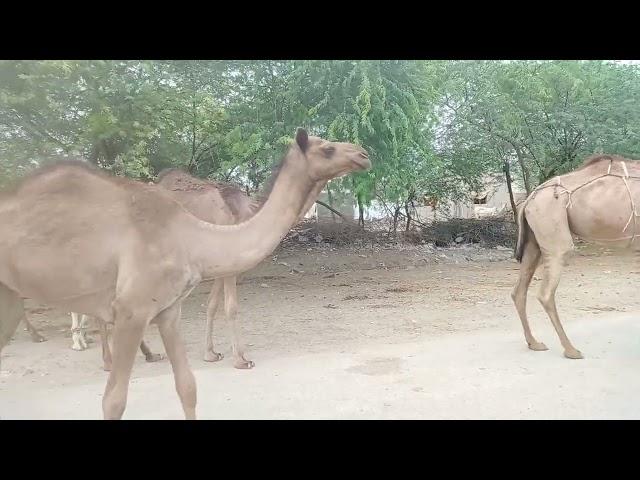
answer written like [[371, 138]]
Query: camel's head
[[326, 160]]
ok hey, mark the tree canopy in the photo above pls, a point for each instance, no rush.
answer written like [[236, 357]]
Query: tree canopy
[[432, 128]]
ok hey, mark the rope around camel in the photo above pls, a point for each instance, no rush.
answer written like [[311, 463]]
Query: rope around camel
[[558, 185]]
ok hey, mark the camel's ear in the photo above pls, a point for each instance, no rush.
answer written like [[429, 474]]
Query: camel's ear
[[302, 139]]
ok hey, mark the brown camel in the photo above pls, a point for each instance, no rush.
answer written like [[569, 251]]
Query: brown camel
[[221, 204], [128, 253], [597, 202]]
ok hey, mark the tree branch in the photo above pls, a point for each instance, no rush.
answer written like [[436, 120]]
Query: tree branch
[[33, 127], [333, 210]]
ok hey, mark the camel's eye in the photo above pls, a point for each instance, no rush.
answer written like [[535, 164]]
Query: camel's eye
[[329, 150]]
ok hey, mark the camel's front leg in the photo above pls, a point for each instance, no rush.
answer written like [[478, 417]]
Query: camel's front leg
[[185, 381], [215, 296], [231, 311], [127, 335]]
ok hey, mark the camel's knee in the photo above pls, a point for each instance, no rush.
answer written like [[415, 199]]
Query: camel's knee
[[546, 298], [519, 292], [543, 299], [564, 256], [133, 318], [516, 296], [559, 256], [113, 405], [121, 312]]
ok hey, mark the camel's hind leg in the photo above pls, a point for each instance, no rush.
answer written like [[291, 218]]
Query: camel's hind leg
[[84, 328], [33, 331], [78, 329], [106, 349], [530, 260], [11, 312], [551, 228], [148, 354], [552, 269]]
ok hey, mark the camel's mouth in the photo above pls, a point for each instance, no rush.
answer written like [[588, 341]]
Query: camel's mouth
[[362, 162]]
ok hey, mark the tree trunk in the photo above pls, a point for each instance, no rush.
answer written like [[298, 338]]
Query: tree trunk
[[395, 219], [330, 197], [360, 212], [191, 165], [408, 214], [507, 173], [525, 171], [415, 210], [332, 210]]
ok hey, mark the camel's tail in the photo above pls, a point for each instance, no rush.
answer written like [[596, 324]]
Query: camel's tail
[[523, 232], [11, 312]]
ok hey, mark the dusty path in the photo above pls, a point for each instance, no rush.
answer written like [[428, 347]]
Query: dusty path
[[371, 334], [475, 375]]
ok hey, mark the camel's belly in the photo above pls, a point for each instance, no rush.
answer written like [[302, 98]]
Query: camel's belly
[[604, 216], [57, 281]]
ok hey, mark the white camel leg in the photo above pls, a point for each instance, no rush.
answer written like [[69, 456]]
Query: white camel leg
[[84, 328], [78, 332]]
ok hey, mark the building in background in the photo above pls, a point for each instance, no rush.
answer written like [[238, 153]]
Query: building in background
[[493, 200]]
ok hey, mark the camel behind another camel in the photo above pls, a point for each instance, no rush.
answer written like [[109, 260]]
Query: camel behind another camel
[[221, 204], [598, 203]]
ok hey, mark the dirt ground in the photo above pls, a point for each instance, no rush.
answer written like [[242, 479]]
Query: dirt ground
[[312, 307]]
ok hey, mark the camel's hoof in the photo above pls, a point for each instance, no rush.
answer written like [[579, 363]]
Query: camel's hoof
[[213, 356], [155, 357], [244, 365], [573, 354], [78, 348], [538, 346]]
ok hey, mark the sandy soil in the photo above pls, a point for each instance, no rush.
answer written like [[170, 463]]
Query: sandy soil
[[397, 332]]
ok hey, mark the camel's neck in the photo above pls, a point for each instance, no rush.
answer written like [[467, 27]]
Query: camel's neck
[[226, 250], [313, 195]]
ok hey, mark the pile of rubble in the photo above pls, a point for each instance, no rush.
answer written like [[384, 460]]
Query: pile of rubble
[[486, 232]]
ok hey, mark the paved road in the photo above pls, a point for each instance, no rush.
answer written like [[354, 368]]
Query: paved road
[[476, 375]]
